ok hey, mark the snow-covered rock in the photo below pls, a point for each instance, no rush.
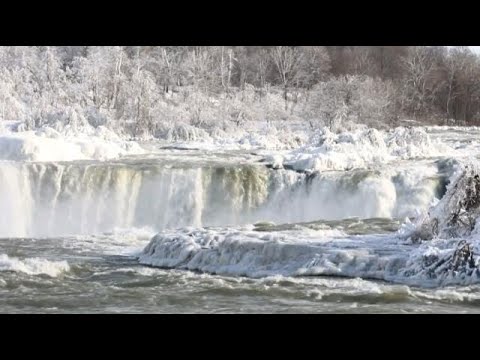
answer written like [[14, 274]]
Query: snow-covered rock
[[49, 144], [362, 148]]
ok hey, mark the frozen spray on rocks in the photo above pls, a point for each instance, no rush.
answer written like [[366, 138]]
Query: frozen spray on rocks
[[444, 254]]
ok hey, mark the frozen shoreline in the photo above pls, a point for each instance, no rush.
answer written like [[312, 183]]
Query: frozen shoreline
[[448, 255], [297, 149], [389, 174]]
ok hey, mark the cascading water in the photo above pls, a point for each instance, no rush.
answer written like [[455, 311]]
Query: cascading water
[[52, 199], [98, 233], [46, 199], [363, 193]]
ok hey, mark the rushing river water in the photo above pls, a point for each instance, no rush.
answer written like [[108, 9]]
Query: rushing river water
[[74, 235]]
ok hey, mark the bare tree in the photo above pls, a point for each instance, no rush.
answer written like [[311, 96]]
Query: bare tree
[[287, 60], [421, 79]]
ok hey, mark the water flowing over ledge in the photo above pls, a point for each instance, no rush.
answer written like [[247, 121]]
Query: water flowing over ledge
[[192, 196], [46, 199], [450, 256]]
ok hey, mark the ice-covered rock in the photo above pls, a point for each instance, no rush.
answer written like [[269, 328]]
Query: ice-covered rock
[[48, 144], [362, 148], [457, 213], [243, 252]]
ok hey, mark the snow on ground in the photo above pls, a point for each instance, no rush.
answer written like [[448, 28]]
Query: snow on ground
[[361, 148], [68, 143], [254, 136], [284, 144], [48, 144]]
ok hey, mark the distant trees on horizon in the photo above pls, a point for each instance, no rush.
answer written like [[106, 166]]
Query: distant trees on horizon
[[144, 86]]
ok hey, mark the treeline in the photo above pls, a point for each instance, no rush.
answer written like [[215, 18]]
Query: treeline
[[144, 87]]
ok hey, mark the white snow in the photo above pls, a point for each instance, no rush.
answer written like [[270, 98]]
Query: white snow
[[242, 252], [362, 148], [48, 144], [254, 136]]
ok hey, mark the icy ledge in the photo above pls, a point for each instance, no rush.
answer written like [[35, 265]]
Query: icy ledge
[[441, 248], [360, 149], [48, 144], [253, 254]]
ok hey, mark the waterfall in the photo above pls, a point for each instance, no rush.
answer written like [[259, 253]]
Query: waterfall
[[48, 199]]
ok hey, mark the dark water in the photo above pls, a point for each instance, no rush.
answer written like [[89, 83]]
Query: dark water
[[99, 281], [101, 274]]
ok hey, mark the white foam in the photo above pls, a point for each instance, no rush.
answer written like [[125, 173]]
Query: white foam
[[33, 266], [125, 242], [388, 192]]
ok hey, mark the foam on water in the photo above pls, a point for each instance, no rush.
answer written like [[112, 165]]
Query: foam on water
[[33, 266]]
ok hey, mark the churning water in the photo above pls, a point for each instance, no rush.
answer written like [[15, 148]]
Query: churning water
[[233, 235]]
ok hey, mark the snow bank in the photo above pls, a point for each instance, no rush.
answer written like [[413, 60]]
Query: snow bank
[[361, 148], [8, 126], [252, 136], [48, 144], [33, 266], [324, 150]]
